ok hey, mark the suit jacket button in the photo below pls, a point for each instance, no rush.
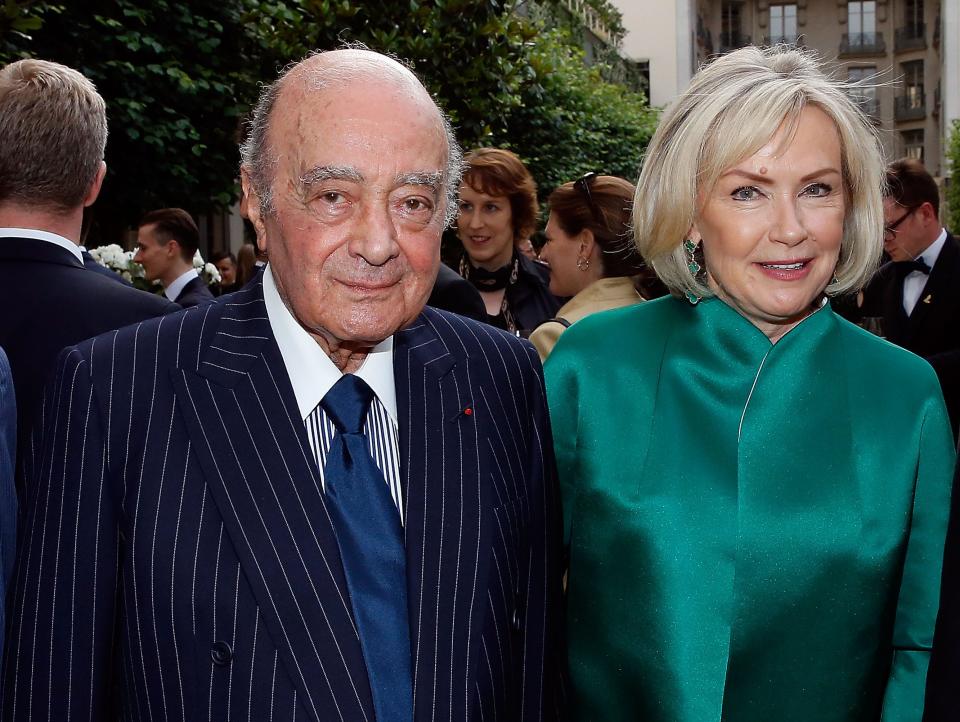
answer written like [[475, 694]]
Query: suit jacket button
[[221, 654]]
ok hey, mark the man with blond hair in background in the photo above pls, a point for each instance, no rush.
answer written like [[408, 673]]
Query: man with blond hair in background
[[53, 132]]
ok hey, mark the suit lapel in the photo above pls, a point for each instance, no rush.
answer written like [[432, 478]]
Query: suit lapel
[[243, 421], [445, 529], [941, 285]]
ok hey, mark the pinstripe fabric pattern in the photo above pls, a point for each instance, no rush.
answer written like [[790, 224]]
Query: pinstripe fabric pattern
[[382, 437], [178, 560]]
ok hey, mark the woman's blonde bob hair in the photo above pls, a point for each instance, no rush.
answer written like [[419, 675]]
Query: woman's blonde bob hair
[[732, 108]]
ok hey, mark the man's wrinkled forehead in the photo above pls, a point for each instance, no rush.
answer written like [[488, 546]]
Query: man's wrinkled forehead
[[321, 91]]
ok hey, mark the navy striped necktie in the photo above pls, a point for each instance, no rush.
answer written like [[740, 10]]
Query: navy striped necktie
[[370, 537]]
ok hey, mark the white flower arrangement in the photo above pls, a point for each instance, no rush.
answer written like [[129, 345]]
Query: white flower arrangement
[[118, 261], [208, 272]]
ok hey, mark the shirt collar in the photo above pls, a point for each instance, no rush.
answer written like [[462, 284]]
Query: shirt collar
[[932, 253], [311, 371], [175, 288], [44, 236]]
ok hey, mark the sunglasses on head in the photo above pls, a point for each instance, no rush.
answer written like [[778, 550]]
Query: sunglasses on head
[[583, 184]]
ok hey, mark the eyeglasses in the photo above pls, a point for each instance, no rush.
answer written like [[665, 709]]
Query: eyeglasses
[[890, 232], [582, 184]]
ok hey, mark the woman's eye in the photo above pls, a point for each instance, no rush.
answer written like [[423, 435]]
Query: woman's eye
[[745, 193], [465, 207], [818, 190], [491, 207]]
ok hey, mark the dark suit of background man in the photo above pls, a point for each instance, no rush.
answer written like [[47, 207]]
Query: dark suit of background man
[[8, 495], [313, 499], [167, 241], [53, 131], [918, 292]]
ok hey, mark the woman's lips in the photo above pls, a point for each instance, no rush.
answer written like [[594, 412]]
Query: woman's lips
[[786, 270]]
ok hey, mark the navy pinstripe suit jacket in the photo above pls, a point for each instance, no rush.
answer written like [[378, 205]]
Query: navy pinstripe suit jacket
[[178, 561]]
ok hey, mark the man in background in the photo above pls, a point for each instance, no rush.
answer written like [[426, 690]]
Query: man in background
[[917, 294], [53, 131], [167, 241]]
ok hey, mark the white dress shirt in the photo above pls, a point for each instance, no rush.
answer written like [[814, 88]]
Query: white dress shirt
[[53, 238], [174, 289], [312, 374], [914, 281]]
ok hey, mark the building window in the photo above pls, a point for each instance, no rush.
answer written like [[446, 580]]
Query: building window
[[862, 21], [730, 35], [913, 82], [913, 14], [783, 24], [863, 89], [913, 144]]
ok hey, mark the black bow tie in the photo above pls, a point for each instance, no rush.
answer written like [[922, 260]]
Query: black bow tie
[[904, 268]]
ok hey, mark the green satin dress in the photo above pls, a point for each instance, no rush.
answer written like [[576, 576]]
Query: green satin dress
[[755, 531]]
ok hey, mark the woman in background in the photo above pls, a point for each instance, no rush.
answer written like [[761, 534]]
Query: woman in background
[[589, 251], [498, 208], [755, 490]]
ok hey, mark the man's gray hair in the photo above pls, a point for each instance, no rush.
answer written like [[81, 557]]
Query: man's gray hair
[[260, 161], [53, 132]]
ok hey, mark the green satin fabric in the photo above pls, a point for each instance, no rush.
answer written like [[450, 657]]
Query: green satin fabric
[[755, 530]]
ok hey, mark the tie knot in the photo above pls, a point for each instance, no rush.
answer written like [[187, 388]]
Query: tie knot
[[904, 268], [347, 403]]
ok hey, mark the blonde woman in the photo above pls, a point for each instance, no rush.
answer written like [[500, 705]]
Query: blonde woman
[[755, 524]]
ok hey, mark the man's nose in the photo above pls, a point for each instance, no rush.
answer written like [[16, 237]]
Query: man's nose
[[375, 237]]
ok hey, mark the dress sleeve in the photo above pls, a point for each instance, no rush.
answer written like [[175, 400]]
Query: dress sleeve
[[920, 584], [562, 381]]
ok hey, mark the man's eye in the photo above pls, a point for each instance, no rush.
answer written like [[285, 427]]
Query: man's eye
[[745, 193], [332, 197], [416, 205]]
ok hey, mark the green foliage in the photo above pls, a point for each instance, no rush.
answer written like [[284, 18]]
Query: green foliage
[[176, 82], [953, 189], [470, 53], [571, 121]]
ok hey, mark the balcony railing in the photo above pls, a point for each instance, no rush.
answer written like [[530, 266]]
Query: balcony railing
[[792, 40], [862, 44], [910, 37], [732, 41], [911, 106]]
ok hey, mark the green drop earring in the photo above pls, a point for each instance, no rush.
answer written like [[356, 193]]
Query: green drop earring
[[695, 268]]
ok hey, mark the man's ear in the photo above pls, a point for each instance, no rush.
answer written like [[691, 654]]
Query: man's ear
[[95, 187], [250, 208], [927, 213]]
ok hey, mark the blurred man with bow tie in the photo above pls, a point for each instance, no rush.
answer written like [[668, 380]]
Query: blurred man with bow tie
[[917, 294]]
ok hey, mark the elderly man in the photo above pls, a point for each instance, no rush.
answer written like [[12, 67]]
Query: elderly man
[[53, 131], [312, 499]]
